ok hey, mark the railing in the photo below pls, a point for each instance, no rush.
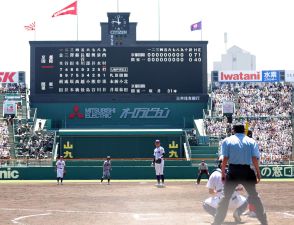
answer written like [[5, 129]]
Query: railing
[[55, 147], [25, 162], [188, 157], [33, 114]]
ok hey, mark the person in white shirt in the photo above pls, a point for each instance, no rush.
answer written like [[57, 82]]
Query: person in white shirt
[[158, 162], [60, 169], [215, 185]]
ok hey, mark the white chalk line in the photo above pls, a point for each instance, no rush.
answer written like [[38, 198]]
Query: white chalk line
[[15, 221], [136, 216], [72, 211], [289, 213]]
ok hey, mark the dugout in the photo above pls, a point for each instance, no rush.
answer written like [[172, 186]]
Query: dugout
[[119, 143]]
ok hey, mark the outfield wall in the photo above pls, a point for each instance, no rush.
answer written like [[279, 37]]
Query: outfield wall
[[125, 172]]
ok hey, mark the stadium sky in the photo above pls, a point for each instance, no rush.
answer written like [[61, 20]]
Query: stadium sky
[[262, 27]]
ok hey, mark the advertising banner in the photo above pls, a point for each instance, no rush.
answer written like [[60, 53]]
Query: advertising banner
[[9, 77], [239, 76], [270, 76], [9, 107], [289, 75], [249, 76]]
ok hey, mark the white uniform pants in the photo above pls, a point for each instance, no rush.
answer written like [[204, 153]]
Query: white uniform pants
[[159, 168], [235, 202], [60, 173]]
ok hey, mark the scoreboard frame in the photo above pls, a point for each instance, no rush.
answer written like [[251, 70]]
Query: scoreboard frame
[[200, 96]]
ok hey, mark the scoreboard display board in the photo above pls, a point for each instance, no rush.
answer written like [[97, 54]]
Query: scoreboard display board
[[87, 71]]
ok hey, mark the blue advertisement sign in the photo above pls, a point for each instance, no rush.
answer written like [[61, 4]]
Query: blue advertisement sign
[[270, 76]]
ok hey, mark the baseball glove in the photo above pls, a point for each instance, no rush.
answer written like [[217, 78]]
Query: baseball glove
[[158, 161]]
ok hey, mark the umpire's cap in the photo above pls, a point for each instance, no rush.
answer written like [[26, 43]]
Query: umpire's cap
[[239, 127]]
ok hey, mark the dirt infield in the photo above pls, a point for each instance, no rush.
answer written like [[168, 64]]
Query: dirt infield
[[132, 203]]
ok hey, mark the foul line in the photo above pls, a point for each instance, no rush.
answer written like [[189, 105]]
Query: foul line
[[73, 211], [288, 213], [15, 221]]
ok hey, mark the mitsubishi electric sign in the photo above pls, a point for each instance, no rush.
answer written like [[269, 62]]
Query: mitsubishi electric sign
[[124, 113]]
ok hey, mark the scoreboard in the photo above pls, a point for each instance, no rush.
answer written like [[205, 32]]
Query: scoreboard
[[84, 71]]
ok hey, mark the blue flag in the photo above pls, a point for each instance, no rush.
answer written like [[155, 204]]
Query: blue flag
[[196, 26]]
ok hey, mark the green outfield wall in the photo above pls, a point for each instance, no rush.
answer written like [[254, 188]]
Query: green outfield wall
[[125, 172], [127, 143]]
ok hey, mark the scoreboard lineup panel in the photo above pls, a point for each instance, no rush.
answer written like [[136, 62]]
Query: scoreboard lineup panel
[[168, 72]]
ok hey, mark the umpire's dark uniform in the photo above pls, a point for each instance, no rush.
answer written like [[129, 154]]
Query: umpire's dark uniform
[[240, 151]]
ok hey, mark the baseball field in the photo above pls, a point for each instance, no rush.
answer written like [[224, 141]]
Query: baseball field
[[128, 202]]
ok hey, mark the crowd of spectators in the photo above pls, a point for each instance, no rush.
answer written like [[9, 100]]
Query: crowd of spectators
[[4, 137], [267, 107], [33, 144], [253, 99], [13, 88]]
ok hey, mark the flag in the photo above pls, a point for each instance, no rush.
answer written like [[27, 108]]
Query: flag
[[196, 26], [31, 27], [70, 9]]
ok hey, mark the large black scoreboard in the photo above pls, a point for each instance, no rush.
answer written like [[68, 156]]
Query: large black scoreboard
[[118, 68]]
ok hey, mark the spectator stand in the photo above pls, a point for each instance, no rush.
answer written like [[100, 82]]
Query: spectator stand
[[267, 107]]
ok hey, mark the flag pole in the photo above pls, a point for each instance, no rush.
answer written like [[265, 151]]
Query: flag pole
[[201, 29], [35, 31], [158, 6], [117, 5], [226, 40], [77, 22]]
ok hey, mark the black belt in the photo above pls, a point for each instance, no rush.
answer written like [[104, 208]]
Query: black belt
[[239, 165]]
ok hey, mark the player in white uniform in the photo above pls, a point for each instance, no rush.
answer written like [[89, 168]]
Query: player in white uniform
[[215, 185], [106, 170], [158, 162], [60, 169]]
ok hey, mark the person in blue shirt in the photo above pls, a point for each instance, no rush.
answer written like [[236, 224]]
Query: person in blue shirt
[[239, 152]]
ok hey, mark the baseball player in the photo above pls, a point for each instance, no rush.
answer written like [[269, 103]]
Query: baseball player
[[202, 169], [60, 169], [216, 186], [158, 162], [106, 170]]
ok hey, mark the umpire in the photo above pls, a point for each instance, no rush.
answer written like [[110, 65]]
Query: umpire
[[239, 152]]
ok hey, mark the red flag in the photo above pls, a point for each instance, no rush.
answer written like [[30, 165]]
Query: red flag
[[70, 9], [31, 27]]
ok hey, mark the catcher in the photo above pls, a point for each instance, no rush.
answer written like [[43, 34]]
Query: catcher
[[215, 185]]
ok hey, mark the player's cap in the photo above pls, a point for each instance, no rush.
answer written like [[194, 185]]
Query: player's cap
[[157, 141], [108, 157]]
